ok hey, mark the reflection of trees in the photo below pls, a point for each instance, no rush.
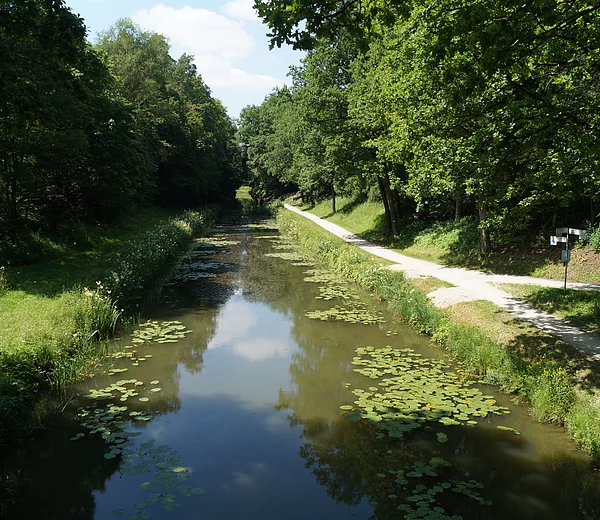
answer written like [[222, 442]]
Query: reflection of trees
[[346, 457], [52, 477]]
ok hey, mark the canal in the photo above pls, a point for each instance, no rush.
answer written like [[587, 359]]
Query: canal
[[262, 386]]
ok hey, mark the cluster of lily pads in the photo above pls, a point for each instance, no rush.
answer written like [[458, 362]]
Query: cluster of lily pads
[[286, 255], [111, 420], [334, 287], [120, 387], [418, 500], [169, 474], [358, 313], [160, 332], [193, 267], [414, 391]]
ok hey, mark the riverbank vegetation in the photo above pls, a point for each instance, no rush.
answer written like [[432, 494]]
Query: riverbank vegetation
[[457, 243], [57, 315], [562, 385], [439, 111], [105, 150]]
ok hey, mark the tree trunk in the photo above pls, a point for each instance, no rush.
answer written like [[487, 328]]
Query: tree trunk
[[458, 207], [484, 233], [393, 204], [332, 198], [386, 205], [13, 210]]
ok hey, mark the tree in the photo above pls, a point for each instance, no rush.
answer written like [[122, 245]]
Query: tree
[[267, 133], [57, 111], [188, 137]]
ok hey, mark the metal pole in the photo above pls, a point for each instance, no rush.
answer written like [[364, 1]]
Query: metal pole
[[566, 262]]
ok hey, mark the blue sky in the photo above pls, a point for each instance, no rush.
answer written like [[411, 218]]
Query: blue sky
[[226, 37]]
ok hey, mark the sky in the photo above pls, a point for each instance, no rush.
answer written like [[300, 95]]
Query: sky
[[226, 38]]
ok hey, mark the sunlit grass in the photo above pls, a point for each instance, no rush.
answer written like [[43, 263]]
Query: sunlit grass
[[456, 243], [243, 193], [56, 315]]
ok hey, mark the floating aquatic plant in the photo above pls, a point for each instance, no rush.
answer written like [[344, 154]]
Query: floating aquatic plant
[[111, 422], [160, 332], [414, 391], [358, 314], [295, 257]]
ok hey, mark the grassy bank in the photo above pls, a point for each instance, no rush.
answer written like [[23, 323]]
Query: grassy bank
[[457, 243], [560, 384], [56, 316]]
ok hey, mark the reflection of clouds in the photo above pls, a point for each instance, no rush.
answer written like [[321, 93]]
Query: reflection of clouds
[[234, 322], [260, 349], [277, 421], [246, 479], [239, 329], [242, 479]]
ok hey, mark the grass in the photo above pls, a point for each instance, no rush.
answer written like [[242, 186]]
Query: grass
[[560, 383], [429, 284], [457, 243], [243, 193], [581, 308], [53, 328]]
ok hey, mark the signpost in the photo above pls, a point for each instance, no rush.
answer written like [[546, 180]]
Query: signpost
[[562, 237]]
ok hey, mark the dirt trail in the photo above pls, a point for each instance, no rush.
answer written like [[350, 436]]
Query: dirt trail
[[472, 285]]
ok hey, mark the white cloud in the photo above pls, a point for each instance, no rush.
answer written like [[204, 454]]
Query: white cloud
[[241, 10], [216, 42], [198, 31]]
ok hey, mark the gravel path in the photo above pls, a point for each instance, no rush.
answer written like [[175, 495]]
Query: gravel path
[[472, 285]]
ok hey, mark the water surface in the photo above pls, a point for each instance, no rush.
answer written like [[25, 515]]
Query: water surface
[[249, 410]]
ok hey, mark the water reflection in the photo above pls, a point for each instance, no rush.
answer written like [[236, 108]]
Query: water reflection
[[250, 401], [242, 330]]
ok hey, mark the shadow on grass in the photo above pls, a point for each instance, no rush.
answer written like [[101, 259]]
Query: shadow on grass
[[528, 350], [459, 240], [581, 308]]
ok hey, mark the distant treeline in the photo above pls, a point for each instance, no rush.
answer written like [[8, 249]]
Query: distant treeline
[[441, 109], [90, 132]]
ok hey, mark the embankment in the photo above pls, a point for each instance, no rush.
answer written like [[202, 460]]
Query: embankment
[[560, 387], [51, 335]]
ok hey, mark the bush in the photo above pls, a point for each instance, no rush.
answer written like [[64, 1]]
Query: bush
[[594, 239], [147, 256]]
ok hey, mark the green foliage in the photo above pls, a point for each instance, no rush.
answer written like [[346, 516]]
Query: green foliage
[[147, 255], [89, 133], [551, 393], [583, 419], [594, 239], [456, 107], [187, 137], [51, 336]]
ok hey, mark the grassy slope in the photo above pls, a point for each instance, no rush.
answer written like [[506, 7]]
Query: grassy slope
[[451, 243], [36, 300], [48, 320], [562, 385]]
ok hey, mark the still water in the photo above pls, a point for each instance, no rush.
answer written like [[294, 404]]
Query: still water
[[247, 423]]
